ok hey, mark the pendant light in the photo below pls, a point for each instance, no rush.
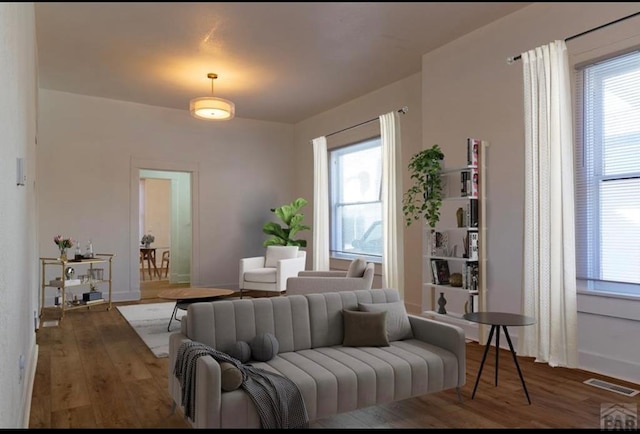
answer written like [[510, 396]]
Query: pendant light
[[211, 107]]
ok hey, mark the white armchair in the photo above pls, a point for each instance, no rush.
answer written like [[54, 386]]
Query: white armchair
[[270, 272]]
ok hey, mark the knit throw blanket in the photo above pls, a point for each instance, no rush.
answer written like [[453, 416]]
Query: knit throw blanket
[[277, 399]]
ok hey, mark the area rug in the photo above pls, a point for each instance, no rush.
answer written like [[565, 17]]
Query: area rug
[[150, 322]]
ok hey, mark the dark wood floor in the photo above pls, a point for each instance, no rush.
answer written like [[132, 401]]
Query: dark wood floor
[[95, 372]]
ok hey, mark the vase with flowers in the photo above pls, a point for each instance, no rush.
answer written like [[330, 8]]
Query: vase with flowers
[[63, 244], [147, 239]]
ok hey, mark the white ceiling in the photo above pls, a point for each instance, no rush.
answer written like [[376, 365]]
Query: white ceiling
[[279, 62]]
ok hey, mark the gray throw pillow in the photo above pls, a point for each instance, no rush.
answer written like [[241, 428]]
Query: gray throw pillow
[[241, 351], [356, 268], [364, 329], [398, 326], [264, 347]]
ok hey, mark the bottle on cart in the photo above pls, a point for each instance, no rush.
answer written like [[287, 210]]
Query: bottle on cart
[[78, 254], [89, 251]]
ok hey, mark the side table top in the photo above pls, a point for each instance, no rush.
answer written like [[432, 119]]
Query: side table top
[[191, 293], [499, 318]]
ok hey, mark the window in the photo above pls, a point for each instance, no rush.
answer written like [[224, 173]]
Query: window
[[608, 175], [355, 173]]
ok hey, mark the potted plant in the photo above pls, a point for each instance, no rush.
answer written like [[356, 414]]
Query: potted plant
[[424, 198], [292, 218]]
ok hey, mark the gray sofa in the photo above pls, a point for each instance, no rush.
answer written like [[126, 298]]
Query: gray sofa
[[310, 331]]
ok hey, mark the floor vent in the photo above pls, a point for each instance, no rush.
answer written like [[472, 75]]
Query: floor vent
[[612, 387], [51, 323]]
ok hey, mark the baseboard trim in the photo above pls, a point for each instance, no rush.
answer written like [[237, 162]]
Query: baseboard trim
[[31, 378], [621, 369]]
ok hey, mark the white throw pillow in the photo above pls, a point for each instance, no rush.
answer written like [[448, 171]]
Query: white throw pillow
[[357, 267], [275, 253], [398, 326]]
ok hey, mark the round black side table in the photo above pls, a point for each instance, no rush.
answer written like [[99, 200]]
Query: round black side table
[[497, 320]]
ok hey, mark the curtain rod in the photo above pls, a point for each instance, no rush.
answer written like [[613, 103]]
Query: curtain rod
[[510, 60], [402, 111]]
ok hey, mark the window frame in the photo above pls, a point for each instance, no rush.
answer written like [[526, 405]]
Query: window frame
[[589, 207]]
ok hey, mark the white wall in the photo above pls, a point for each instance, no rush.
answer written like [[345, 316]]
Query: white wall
[[87, 148], [18, 259], [469, 90]]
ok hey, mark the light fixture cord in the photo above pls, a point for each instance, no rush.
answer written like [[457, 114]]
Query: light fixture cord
[[212, 86]]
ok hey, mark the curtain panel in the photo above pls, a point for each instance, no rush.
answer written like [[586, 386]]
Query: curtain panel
[[549, 277], [320, 205], [392, 217]]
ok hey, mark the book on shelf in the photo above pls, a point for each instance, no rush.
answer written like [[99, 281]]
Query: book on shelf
[[464, 183], [472, 237], [434, 272], [472, 190], [439, 243], [473, 213], [441, 271], [472, 151], [470, 275]]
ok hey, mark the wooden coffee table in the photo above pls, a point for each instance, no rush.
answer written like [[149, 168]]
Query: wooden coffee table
[[185, 296]]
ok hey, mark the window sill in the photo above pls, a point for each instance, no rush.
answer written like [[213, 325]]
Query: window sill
[[614, 305], [349, 258]]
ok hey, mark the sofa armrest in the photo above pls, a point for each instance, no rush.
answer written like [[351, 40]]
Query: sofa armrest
[[286, 268], [447, 336], [311, 273], [209, 380]]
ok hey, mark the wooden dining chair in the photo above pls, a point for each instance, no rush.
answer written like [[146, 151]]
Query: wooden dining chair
[[165, 259]]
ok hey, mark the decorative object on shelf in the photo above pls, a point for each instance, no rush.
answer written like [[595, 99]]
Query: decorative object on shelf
[[78, 253], [292, 218], [455, 279], [69, 272], [460, 217], [210, 107], [424, 198], [88, 254], [63, 244], [442, 303], [96, 273], [147, 239]]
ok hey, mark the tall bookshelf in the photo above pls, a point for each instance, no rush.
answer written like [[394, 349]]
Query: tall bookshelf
[[454, 252]]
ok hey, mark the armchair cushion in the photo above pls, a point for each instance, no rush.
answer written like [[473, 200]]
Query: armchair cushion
[[263, 275], [275, 253], [356, 268]]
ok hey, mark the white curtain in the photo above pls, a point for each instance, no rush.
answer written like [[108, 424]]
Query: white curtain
[[320, 205], [392, 217], [549, 277]]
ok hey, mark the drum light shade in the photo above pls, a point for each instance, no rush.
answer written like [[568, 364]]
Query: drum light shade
[[210, 107]]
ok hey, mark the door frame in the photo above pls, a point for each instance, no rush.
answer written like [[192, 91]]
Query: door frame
[[134, 245]]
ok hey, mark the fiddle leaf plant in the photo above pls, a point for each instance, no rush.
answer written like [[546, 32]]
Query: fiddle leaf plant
[[424, 197], [292, 218]]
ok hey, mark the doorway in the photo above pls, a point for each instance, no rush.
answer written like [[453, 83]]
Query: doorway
[[163, 204]]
